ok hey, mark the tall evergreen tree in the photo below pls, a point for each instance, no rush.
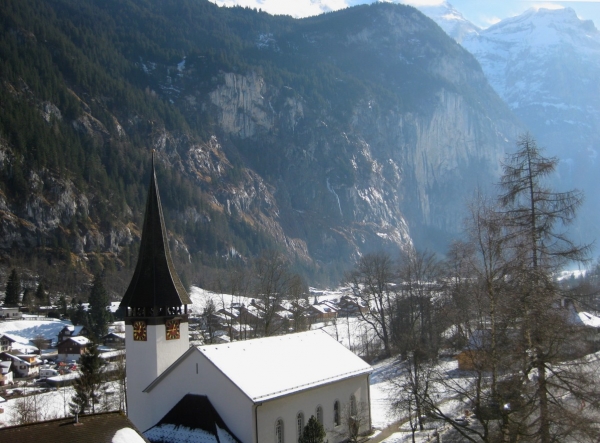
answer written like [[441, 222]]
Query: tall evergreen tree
[[87, 386], [62, 302], [13, 289], [40, 295], [99, 315], [27, 299], [78, 314]]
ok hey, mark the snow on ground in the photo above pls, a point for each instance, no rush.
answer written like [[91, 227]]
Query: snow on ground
[[53, 404], [382, 413], [201, 296], [50, 405], [30, 329], [353, 333]]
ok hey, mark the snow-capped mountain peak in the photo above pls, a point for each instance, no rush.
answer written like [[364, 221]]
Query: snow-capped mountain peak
[[450, 20], [545, 64], [543, 28], [525, 47]]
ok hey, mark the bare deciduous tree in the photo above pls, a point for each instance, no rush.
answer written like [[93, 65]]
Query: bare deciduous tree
[[536, 216], [298, 299], [372, 281], [526, 380], [208, 312], [355, 421], [31, 409], [272, 278]]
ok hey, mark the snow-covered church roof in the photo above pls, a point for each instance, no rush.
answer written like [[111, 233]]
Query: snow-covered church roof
[[267, 368]]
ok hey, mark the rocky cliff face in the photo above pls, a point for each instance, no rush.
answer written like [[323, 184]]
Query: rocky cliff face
[[333, 136], [382, 175], [49, 215]]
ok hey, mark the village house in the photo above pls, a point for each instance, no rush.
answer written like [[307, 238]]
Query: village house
[[253, 391], [350, 306], [251, 317], [6, 342], [322, 311], [10, 313], [6, 375], [16, 344], [23, 365], [72, 331], [71, 348], [114, 340]]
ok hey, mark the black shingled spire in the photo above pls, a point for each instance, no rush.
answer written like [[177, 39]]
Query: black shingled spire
[[155, 289]]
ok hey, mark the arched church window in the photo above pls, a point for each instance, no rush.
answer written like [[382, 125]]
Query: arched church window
[[299, 424], [336, 413], [279, 431], [320, 414], [353, 408]]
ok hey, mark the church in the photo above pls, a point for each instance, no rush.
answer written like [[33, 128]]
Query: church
[[256, 391]]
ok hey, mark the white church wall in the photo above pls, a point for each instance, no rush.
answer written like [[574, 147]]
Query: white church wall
[[146, 360], [171, 350], [288, 407], [197, 375]]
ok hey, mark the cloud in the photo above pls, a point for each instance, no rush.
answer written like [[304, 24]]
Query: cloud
[[296, 8], [418, 3], [547, 5]]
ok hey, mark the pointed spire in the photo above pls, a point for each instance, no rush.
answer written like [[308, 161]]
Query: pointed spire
[[155, 282]]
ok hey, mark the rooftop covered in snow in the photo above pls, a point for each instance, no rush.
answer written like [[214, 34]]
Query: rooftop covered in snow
[[275, 366]]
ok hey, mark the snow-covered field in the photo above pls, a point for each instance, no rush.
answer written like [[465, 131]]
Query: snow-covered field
[[30, 329], [53, 404]]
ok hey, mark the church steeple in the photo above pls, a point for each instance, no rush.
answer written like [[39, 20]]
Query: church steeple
[[155, 289], [155, 305]]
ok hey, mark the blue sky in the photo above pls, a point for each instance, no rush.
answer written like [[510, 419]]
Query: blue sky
[[481, 12]]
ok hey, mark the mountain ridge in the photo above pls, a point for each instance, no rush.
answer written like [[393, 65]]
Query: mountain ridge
[[327, 137]]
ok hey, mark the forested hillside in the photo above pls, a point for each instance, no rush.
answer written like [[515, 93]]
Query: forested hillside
[[324, 137]]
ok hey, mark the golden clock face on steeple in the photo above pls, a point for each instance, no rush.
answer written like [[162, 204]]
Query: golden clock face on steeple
[[140, 332], [172, 329]]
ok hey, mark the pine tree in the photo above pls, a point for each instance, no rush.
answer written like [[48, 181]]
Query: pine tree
[[99, 316], [13, 289], [313, 432], [40, 295], [87, 386], [78, 314], [62, 302], [27, 298]]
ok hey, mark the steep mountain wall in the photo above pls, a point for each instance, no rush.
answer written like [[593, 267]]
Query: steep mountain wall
[[386, 170], [328, 137]]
